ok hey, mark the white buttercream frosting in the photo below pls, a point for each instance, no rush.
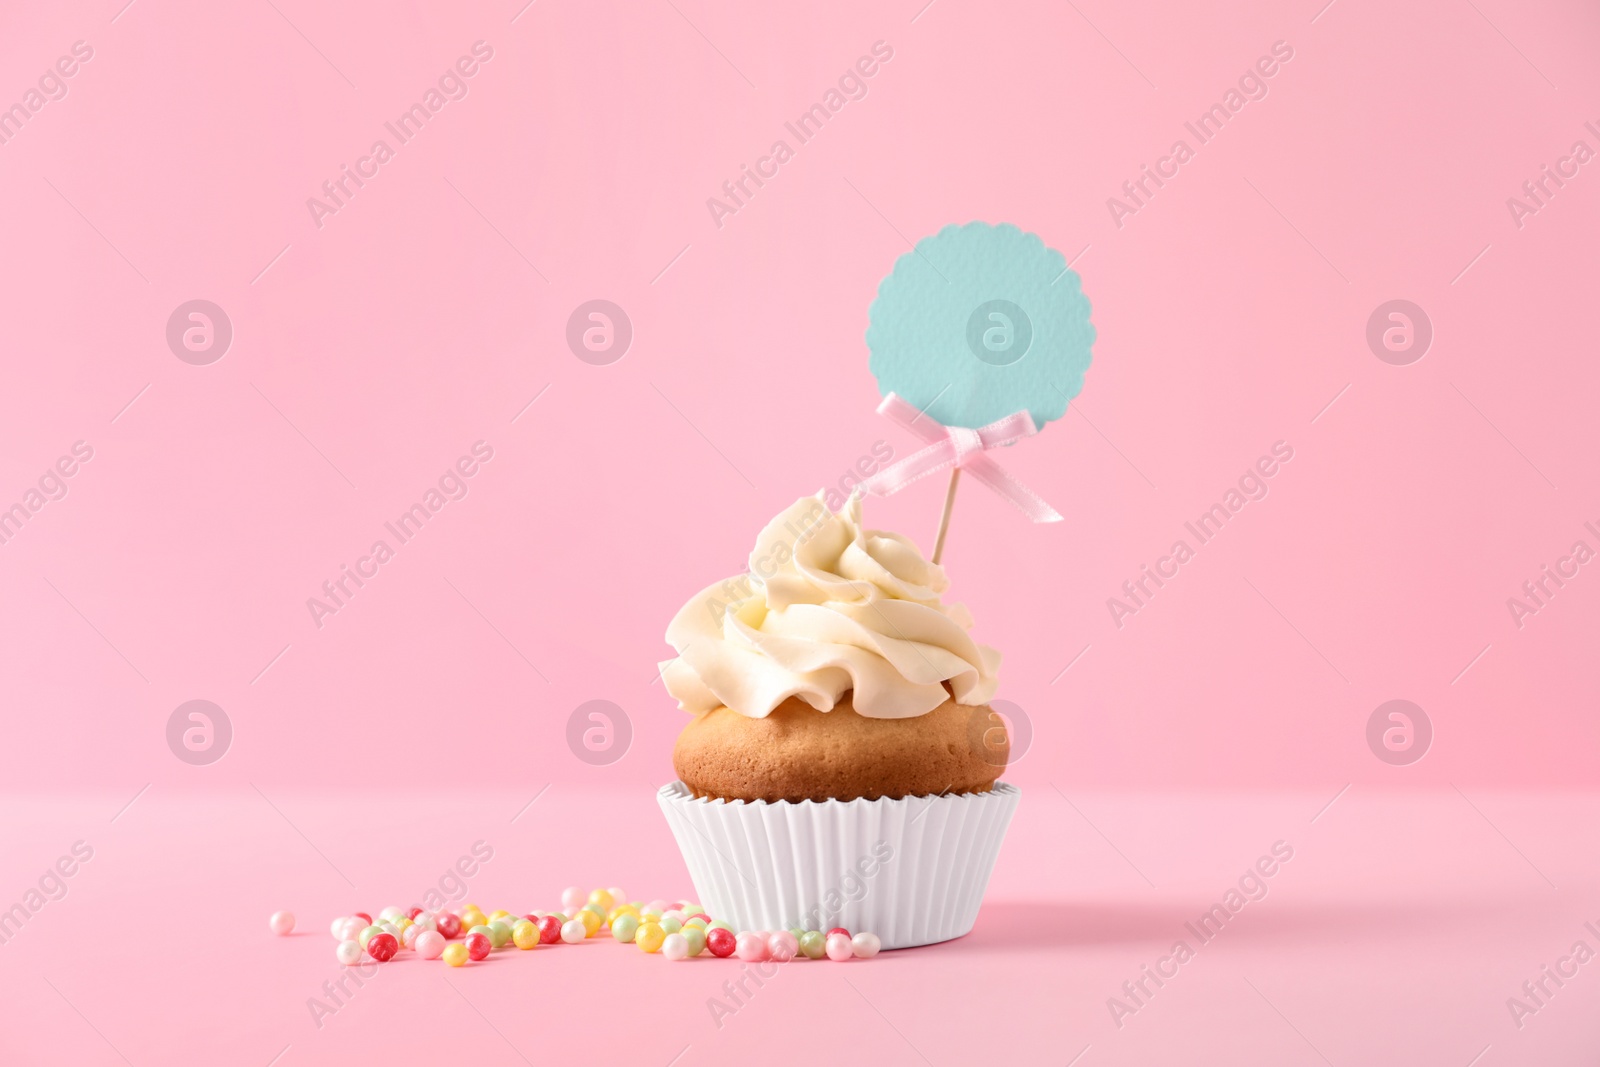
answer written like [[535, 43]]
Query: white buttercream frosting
[[828, 608]]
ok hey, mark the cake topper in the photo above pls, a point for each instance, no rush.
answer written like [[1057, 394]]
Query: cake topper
[[979, 337]]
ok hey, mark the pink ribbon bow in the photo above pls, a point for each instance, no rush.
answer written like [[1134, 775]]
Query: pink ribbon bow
[[958, 446]]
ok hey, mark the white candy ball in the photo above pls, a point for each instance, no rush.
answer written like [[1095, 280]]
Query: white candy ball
[[348, 953], [573, 931], [573, 898], [430, 944], [865, 946], [391, 912], [282, 922], [336, 928]]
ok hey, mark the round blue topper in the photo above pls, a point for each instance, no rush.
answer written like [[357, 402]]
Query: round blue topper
[[978, 322]]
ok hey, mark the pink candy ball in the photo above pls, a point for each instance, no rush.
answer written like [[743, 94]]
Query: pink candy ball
[[839, 947], [430, 944], [751, 946], [281, 922], [782, 946], [866, 946], [573, 898], [675, 947], [408, 937]]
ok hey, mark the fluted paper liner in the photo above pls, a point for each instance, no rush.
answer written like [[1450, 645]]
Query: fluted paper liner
[[913, 871]]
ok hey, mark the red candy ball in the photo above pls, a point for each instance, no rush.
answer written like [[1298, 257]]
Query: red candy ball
[[836, 930], [413, 913], [382, 947], [478, 946], [364, 917], [449, 925], [721, 943], [549, 930]]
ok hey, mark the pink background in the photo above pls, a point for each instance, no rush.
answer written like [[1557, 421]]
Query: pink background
[[406, 329], [370, 353]]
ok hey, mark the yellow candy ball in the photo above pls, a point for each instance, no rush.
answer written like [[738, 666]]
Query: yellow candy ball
[[525, 935], [501, 914], [455, 954], [402, 923], [591, 922], [649, 937], [601, 899], [619, 911]]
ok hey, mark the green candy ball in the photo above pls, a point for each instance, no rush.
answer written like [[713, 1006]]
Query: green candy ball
[[625, 927], [813, 944]]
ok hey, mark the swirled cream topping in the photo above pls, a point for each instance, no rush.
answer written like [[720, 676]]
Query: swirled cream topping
[[827, 608]]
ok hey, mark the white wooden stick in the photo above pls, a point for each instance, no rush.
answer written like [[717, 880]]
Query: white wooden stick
[[944, 516]]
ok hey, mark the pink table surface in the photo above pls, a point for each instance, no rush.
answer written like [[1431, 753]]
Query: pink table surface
[[1394, 935]]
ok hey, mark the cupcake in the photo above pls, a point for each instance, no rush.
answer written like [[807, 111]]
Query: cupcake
[[841, 764]]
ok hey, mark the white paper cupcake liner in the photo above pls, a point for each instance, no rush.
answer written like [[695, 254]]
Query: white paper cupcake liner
[[912, 871]]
